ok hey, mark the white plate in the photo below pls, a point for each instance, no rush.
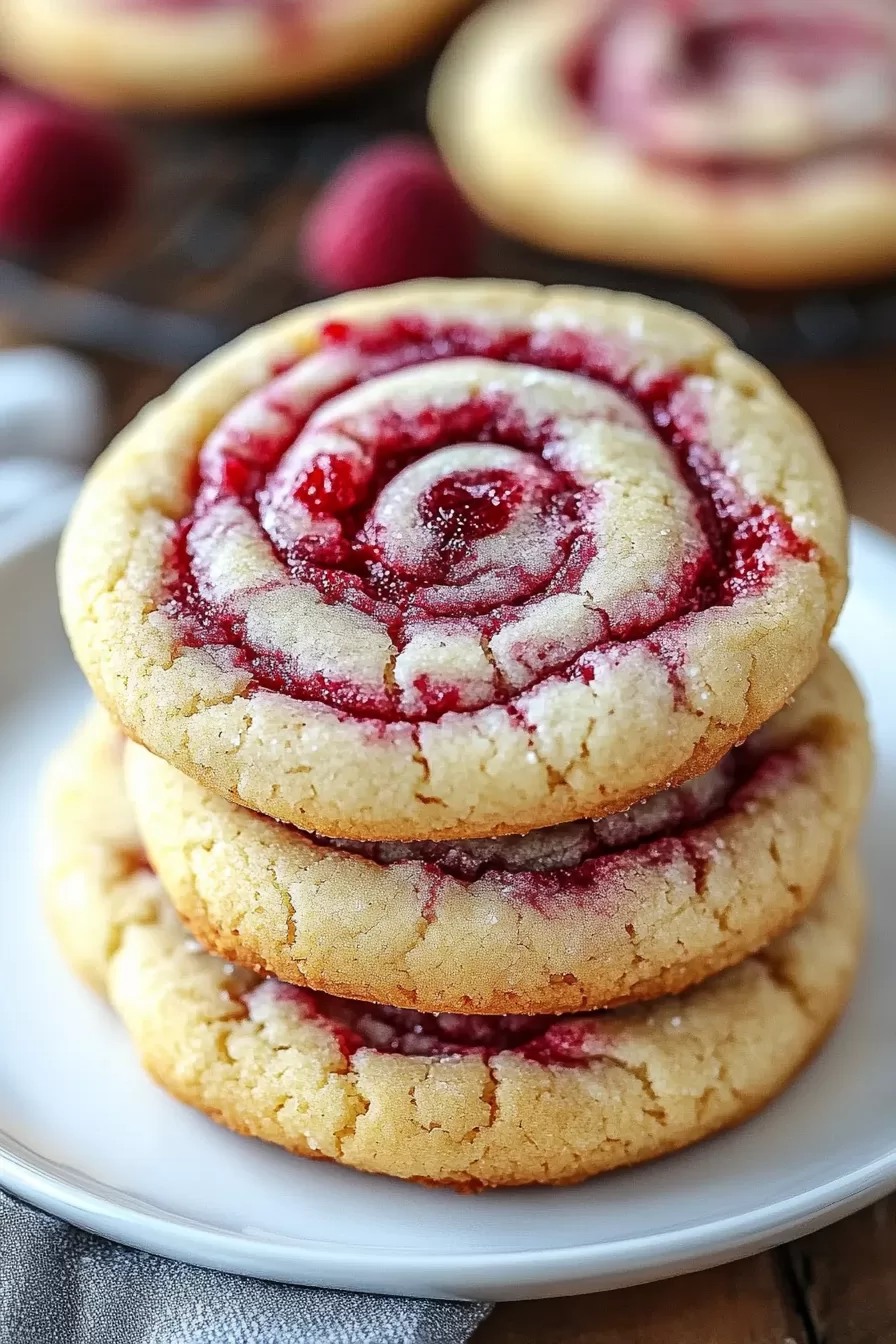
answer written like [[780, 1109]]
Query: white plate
[[84, 1134]]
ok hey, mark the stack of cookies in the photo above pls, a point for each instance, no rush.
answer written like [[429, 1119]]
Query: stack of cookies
[[473, 794]]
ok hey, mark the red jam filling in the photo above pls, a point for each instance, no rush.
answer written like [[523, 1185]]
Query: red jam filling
[[357, 1025], [469, 505], [664, 75], [345, 551]]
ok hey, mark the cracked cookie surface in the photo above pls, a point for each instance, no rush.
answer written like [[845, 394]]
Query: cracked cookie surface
[[209, 54], [456, 559], [469, 1101], [577, 916], [753, 148]]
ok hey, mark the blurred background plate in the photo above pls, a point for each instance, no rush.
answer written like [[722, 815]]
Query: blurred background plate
[[85, 1134]]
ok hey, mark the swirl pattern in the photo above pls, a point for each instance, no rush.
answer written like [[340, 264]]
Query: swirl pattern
[[457, 560], [749, 85], [421, 518]]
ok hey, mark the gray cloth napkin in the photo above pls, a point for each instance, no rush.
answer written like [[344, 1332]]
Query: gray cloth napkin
[[62, 1286]]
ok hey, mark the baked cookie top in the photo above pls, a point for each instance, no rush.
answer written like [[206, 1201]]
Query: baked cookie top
[[209, 54], [463, 1100], [581, 915], [751, 141], [456, 559]]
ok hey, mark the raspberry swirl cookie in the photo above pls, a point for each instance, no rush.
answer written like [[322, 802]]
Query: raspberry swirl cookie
[[591, 913], [456, 560], [465, 1101], [752, 141], [209, 54]]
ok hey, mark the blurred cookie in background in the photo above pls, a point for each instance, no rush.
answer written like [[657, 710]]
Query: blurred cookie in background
[[209, 55], [748, 141]]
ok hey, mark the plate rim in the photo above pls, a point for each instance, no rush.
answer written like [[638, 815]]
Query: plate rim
[[569, 1269], [499, 1274]]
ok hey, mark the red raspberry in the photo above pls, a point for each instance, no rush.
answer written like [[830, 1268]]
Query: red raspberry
[[391, 213], [62, 170]]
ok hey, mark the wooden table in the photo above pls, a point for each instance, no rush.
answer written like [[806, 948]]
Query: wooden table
[[837, 1287]]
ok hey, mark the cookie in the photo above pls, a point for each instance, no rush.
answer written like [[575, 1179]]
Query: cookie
[[93, 864], [209, 55], [686, 137], [465, 1101], [457, 559], [577, 916]]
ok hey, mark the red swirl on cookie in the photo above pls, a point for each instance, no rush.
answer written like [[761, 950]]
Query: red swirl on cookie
[[752, 83], [422, 517]]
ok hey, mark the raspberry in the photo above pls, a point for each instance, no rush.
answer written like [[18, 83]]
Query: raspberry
[[62, 171], [391, 213]]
